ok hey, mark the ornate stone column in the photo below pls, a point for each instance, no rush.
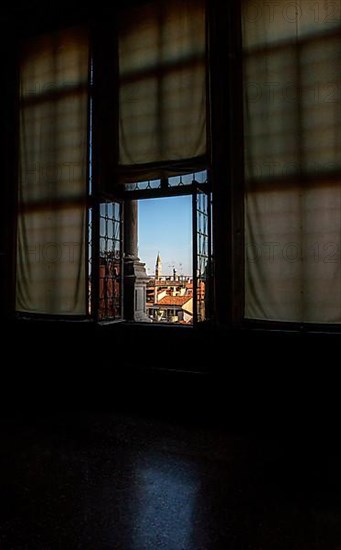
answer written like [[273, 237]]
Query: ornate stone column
[[135, 276]]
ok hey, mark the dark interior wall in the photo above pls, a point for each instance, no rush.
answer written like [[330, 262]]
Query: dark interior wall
[[8, 133], [245, 380]]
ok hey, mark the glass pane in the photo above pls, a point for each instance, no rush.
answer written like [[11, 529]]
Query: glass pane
[[110, 261], [203, 259]]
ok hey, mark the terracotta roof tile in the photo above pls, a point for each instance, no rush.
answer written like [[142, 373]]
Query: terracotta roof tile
[[174, 300]]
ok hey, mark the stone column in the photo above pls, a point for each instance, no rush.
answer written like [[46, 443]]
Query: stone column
[[135, 276], [130, 229]]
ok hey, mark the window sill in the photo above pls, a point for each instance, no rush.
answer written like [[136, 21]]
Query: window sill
[[247, 327], [291, 328]]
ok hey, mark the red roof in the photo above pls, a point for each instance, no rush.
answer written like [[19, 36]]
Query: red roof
[[174, 300]]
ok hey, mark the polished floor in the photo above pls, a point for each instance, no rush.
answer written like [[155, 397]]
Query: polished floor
[[107, 481]]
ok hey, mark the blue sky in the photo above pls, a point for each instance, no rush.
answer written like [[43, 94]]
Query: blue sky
[[165, 226]]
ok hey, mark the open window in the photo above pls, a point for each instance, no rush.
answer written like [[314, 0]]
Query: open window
[[174, 241], [105, 261], [107, 118], [202, 254]]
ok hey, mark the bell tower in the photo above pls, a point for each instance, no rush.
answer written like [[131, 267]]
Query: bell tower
[[158, 267]]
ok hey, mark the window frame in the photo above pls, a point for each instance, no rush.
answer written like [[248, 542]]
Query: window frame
[[104, 55]]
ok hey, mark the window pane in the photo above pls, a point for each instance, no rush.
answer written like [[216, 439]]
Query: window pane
[[110, 262]]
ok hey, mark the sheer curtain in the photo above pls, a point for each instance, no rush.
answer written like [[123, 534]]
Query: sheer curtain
[[292, 118], [51, 232], [162, 89]]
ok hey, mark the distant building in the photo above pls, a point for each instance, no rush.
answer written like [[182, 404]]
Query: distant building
[[172, 309], [169, 297]]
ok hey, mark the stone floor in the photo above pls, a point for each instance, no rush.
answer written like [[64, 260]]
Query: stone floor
[[107, 481]]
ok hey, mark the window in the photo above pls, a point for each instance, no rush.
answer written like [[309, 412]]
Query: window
[[166, 246], [162, 90], [101, 118], [175, 241], [105, 275], [51, 236], [292, 159]]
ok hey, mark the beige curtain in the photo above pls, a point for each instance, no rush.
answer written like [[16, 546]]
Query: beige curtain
[[162, 95], [292, 62], [51, 276]]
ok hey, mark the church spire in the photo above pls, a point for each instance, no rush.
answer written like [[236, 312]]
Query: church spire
[[158, 266]]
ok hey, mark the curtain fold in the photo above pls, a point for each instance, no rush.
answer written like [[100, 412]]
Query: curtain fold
[[162, 89], [51, 231], [292, 55]]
